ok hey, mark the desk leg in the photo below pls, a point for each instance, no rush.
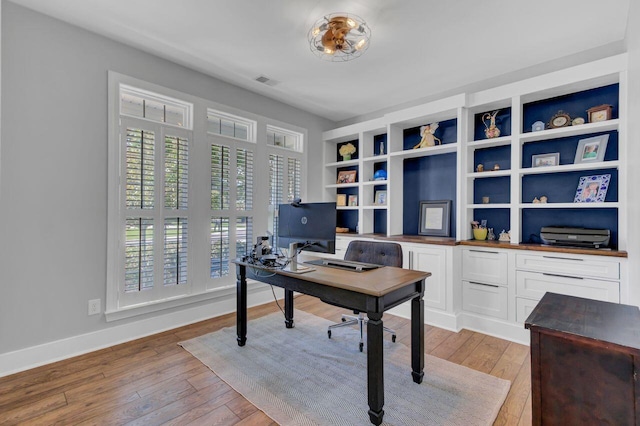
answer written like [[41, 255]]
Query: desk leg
[[288, 308], [375, 368], [241, 304], [417, 339]]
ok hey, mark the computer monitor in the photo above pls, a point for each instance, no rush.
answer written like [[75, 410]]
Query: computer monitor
[[307, 226]]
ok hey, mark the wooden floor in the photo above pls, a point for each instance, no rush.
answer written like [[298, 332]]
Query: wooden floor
[[154, 381]]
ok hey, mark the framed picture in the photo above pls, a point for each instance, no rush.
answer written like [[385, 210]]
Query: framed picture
[[353, 200], [341, 200], [380, 198], [599, 113], [347, 176], [435, 218], [591, 150], [592, 189], [544, 160]]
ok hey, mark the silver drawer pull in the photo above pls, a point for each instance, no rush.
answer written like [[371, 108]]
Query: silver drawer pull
[[486, 285], [483, 251], [563, 258], [562, 276]]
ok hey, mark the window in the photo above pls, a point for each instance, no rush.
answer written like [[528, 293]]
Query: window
[[219, 123], [182, 202]]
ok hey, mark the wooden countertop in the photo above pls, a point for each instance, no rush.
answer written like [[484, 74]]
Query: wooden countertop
[[444, 241]]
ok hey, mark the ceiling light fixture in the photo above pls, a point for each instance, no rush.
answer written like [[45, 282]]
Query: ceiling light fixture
[[339, 37]]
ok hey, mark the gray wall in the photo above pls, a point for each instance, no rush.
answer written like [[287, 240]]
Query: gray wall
[[53, 205]]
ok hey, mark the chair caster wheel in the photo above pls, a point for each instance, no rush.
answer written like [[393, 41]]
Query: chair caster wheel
[[344, 319], [393, 338], [361, 347], [329, 333]]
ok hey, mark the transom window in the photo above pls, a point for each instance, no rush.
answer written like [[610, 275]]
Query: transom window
[[219, 123], [284, 138]]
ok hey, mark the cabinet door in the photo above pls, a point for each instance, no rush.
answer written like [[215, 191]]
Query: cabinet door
[[484, 266], [432, 260], [485, 299], [574, 266]]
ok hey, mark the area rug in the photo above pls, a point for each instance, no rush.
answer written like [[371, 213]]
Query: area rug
[[300, 377]]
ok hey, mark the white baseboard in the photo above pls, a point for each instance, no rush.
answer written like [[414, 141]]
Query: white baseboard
[[35, 356]]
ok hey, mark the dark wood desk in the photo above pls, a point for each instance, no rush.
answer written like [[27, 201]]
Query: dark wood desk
[[372, 292], [584, 358]]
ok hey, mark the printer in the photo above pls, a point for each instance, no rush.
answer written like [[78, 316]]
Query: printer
[[577, 237]]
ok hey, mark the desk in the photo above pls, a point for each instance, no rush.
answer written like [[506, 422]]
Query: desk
[[372, 292]]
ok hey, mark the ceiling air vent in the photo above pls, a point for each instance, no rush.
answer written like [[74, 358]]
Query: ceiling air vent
[[266, 80]]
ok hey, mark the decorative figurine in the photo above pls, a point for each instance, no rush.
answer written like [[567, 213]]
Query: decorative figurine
[[543, 199], [381, 148], [537, 126], [535, 200], [496, 167], [490, 131], [577, 121], [480, 168], [491, 236], [428, 138], [504, 236]]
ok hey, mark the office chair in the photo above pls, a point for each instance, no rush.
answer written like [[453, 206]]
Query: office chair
[[379, 253]]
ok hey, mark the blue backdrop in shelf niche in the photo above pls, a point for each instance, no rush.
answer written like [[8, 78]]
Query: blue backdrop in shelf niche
[[561, 187], [503, 122], [380, 221], [447, 132], [354, 156], [575, 104], [534, 219], [497, 189], [376, 143], [498, 219], [500, 155], [567, 148], [428, 178], [347, 219]]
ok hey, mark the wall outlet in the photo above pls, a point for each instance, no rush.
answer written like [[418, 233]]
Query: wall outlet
[[94, 307]]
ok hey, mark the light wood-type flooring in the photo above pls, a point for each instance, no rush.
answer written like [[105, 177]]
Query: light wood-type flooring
[[154, 381]]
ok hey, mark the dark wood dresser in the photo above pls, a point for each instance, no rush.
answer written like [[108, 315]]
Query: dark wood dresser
[[585, 356]]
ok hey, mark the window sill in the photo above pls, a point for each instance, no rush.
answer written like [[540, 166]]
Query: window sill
[[146, 308]]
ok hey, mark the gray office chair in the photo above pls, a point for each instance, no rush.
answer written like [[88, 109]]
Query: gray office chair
[[379, 253]]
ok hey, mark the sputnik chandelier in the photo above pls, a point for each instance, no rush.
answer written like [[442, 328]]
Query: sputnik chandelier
[[339, 37]]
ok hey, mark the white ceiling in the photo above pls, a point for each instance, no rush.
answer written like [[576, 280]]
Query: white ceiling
[[419, 48]]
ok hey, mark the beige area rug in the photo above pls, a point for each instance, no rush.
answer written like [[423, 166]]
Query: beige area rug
[[300, 377]]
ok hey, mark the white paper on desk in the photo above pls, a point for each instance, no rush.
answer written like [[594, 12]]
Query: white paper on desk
[[433, 218]]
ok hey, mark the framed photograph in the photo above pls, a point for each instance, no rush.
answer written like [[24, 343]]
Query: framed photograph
[[599, 113], [347, 176], [591, 150], [544, 160], [341, 200], [435, 218], [592, 189], [380, 198], [353, 200]]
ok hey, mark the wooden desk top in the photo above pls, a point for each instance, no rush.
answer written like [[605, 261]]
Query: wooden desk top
[[377, 282], [594, 320]]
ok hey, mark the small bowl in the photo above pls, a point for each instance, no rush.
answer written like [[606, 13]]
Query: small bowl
[[480, 233]]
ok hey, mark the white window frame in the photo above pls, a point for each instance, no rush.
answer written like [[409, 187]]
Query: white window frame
[[251, 124]]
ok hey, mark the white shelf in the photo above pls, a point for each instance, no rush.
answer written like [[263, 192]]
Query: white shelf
[[425, 152], [342, 163], [489, 143], [489, 174], [376, 158], [375, 182], [342, 185], [609, 205], [374, 207], [570, 168], [347, 208], [563, 132], [489, 206]]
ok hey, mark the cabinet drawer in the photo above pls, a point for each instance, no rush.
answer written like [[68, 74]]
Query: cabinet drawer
[[524, 307], [484, 266], [577, 267], [485, 299], [534, 284]]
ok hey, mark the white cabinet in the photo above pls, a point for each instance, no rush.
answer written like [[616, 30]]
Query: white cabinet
[[430, 258], [534, 285], [485, 266], [485, 299], [485, 282]]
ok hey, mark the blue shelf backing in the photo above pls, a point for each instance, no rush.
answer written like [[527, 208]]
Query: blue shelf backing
[[497, 189], [489, 157], [566, 147], [377, 139], [347, 219], [534, 219], [498, 219], [574, 104], [447, 132], [561, 187], [503, 122], [380, 221], [428, 178]]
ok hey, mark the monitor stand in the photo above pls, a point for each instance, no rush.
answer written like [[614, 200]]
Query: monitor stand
[[293, 265]]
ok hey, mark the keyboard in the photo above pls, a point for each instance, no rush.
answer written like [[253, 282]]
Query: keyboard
[[349, 265]]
